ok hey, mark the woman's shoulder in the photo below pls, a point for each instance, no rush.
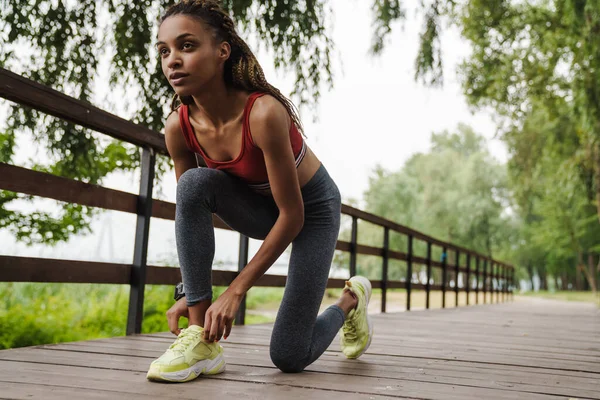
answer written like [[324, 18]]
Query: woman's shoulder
[[267, 108], [172, 124], [269, 121]]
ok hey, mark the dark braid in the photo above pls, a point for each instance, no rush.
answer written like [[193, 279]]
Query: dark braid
[[242, 70]]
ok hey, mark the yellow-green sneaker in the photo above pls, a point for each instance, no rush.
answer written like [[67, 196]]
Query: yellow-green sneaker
[[357, 330], [187, 358]]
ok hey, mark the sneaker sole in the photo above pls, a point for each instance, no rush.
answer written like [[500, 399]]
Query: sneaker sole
[[367, 285], [205, 367]]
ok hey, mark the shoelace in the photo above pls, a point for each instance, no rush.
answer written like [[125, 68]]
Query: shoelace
[[184, 339], [350, 332]]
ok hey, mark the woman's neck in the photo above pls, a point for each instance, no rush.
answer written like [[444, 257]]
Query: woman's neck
[[220, 105]]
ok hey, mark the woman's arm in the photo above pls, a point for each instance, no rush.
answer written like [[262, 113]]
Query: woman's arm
[[183, 159], [270, 127]]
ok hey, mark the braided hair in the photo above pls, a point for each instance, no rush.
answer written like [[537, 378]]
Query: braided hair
[[242, 70]]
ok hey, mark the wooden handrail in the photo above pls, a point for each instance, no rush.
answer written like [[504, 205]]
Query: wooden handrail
[[52, 102]]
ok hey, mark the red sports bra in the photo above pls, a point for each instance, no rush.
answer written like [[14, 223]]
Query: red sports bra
[[250, 163]]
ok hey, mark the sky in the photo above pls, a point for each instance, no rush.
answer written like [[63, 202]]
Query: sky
[[376, 114]]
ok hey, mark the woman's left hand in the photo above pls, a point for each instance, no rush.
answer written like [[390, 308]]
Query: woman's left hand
[[220, 315]]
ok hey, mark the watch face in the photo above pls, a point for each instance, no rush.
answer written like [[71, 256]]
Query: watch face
[[179, 291]]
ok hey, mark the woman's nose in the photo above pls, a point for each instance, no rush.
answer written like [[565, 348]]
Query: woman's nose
[[174, 61]]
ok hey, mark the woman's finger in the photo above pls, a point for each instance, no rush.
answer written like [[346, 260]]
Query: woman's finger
[[207, 327], [227, 329], [220, 331], [214, 328]]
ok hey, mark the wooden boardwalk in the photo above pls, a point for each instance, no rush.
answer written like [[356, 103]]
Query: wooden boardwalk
[[527, 349]]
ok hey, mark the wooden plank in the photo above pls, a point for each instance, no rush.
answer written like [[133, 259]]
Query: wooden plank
[[47, 100], [393, 368], [134, 382], [414, 343], [35, 183], [25, 391], [22, 180], [249, 354], [236, 375], [29, 269], [245, 341]]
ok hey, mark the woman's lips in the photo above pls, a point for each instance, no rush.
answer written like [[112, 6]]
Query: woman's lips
[[177, 81]]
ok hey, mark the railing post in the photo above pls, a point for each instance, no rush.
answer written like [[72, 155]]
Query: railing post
[[140, 249], [491, 281], [484, 279], [512, 283], [501, 282], [477, 280], [384, 273], [508, 282], [353, 242], [468, 283], [428, 285], [497, 282], [444, 267], [505, 283], [409, 271], [457, 261], [240, 317], [494, 280], [491, 275]]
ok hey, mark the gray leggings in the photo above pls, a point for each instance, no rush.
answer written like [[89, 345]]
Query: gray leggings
[[299, 335]]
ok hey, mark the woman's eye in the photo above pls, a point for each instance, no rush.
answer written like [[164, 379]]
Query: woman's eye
[[187, 45], [162, 51]]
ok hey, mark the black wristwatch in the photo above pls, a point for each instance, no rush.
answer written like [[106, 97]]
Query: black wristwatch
[[179, 293]]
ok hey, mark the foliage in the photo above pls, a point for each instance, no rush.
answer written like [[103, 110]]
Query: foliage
[[35, 313], [456, 192], [535, 64]]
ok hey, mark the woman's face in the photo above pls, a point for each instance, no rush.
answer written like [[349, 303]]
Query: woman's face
[[190, 58]]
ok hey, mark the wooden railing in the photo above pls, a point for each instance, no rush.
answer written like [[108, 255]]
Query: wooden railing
[[490, 276]]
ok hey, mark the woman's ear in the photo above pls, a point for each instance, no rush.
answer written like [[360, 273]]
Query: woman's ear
[[224, 51]]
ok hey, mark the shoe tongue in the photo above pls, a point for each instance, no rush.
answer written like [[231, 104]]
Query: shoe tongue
[[195, 328]]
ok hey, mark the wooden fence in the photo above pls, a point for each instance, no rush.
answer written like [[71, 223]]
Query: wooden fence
[[488, 277]]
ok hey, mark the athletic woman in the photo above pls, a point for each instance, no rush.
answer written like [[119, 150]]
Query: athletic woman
[[264, 182]]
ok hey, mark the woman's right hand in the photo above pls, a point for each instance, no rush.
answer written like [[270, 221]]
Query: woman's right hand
[[178, 310]]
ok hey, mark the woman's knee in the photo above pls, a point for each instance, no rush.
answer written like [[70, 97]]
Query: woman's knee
[[194, 185], [288, 363]]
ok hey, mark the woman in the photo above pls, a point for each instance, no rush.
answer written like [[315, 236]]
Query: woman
[[263, 181]]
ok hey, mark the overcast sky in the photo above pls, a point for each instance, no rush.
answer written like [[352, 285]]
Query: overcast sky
[[375, 114]]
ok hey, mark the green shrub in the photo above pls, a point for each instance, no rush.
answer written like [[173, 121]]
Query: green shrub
[[41, 313]]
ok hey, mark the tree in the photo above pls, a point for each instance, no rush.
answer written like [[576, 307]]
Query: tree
[[553, 189], [533, 60], [456, 192]]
